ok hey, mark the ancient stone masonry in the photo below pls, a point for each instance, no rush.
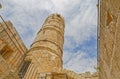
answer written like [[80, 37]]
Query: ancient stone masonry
[[109, 55], [12, 51], [46, 52], [72, 75], [44, 58]]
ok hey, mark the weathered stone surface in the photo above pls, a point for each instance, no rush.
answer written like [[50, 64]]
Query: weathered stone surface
[[109, 39], [12, 51], [46, 51], [72, 75]]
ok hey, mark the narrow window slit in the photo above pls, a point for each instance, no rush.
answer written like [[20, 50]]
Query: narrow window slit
[[23, 70]]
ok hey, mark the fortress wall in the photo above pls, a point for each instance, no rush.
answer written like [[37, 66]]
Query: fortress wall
[[14, 50], [109, 47]]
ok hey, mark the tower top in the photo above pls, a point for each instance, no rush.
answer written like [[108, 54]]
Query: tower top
[[56, 16]]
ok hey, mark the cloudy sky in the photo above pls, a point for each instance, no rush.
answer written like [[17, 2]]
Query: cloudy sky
[[80, 47]]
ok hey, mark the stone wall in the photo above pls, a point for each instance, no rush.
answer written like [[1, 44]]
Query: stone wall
[[12, 50], [72, 75], [109, 42]]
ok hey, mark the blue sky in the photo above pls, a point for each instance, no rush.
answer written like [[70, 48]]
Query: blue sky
[[80, 46]]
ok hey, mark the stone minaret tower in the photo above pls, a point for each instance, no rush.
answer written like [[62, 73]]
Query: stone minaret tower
[[45, 54]]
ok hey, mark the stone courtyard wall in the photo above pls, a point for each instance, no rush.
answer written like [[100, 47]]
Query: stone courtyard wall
[[109, 42]]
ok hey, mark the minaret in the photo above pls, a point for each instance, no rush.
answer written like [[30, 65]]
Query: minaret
[[46, 51]]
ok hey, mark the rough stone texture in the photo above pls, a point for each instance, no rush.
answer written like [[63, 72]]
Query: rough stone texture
[[72, 75], [109, 57], [46, 51], [12, 51]]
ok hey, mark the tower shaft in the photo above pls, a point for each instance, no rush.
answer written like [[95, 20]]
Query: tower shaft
[[46, 50]]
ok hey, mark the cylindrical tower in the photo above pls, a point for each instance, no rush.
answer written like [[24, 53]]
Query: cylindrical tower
[[46, 50]]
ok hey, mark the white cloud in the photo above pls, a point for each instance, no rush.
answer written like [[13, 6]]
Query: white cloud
[[79, 61], [83, 25], [80, 18], [64, 6]]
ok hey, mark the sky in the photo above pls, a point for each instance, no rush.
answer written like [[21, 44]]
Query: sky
[[80, 46]]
